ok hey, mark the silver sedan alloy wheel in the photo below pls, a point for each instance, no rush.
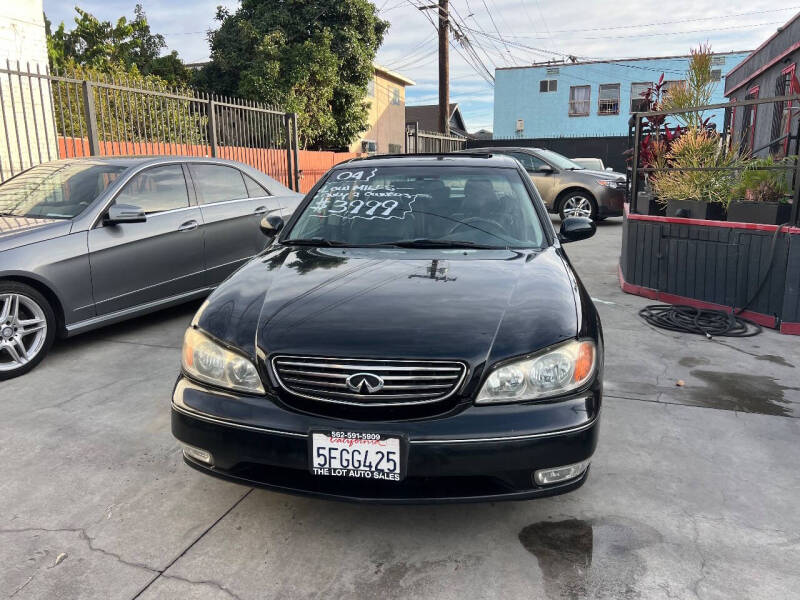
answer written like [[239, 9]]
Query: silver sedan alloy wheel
[[577, 206], [23, 330]]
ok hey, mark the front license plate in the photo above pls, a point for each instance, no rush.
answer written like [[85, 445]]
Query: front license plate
[[357, 455]]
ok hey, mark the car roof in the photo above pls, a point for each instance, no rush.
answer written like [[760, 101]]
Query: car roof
[[453, 159], [135, 161], [527, 149]]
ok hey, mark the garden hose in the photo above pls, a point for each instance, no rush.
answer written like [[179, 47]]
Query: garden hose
[[703, 321], [706, 321]]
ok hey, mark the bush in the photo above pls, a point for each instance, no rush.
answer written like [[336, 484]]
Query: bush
[[695, 149], [759, 184]]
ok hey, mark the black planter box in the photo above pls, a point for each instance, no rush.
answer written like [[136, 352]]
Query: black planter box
[[656, 208], [708, 211], [768, 213]]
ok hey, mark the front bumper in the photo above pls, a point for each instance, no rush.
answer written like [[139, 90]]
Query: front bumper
[[609, 201], [453, 458]]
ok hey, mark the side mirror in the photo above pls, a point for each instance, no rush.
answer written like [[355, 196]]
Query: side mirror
[[124, 213], [574, 229], [609, 168], [546, 169], [271, 225]]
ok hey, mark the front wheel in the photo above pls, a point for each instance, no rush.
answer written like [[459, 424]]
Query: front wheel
[[27, 328], [577, 204]]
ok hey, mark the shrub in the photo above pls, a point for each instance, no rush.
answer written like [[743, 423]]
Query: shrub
[[760, 184], [698, 149]]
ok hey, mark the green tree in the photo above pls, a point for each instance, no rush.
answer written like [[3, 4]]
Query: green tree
[[313, 57], [102, 45]]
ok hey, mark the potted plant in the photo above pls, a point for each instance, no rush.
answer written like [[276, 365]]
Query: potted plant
[[702, 190], [762, 194]]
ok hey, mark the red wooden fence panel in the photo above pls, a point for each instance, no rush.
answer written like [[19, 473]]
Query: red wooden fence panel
[[272, 161]]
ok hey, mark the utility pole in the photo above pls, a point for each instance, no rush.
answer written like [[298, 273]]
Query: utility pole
[[444, 63], [444, 68]]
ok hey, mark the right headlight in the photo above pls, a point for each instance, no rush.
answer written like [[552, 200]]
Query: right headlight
[[551, 373], [207, 360]]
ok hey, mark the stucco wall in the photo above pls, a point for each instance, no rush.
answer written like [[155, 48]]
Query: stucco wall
[[22, 38], [387, 120], [546, 114]]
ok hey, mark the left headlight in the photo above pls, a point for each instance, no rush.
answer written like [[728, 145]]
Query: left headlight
[[612, 183], [551, 373], [209, 361]]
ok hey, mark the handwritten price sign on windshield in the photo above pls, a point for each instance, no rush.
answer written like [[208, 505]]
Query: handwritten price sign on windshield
[[352, 199]]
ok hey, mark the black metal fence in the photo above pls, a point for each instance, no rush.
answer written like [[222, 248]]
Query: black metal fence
[[429, 142], [736, 136], [47, 115]]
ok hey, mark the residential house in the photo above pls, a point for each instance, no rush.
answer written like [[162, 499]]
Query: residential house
[[592, 98], [386, 96], [769, 71], [427, 118]]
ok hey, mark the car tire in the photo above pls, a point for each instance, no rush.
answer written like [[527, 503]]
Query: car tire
[[577, 203], [23, 308]]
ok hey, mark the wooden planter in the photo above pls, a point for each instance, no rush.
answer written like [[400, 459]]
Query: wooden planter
[[769, 213], [714, 264], [690, 209]]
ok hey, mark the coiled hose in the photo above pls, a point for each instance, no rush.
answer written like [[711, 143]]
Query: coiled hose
[[706, 321]]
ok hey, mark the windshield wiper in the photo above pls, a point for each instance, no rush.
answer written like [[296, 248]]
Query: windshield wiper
[[315, 241], [441, 243]]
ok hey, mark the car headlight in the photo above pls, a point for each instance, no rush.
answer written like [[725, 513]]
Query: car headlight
[[551, 373], [612, 183], [209, 361]]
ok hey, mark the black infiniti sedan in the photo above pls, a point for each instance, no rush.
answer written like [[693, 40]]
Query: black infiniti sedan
[[415, 333]]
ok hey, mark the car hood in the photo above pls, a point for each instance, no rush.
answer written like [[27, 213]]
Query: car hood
[[470, 305], [602, 174], [19, 231]]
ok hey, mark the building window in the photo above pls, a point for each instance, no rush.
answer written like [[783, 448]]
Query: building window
[[782, 112], [371, 88], [396, 96], [553, 70], [638, 103], [520, 125], [579, 100], [716, 74], [717, 60], [369, 146], [747, 133], [608, 99], [395, 149], [548, 85]]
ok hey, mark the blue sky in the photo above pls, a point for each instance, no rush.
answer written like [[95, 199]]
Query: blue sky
[[500, 32]]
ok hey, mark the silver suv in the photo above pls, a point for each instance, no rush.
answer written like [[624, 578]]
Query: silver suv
[[566, 187]]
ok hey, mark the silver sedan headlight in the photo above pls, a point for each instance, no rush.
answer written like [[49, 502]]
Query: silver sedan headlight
[[551, 373], [207, 360]]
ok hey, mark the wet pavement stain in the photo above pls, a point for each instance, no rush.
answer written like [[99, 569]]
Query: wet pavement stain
[[759, 394], [774, 358], [593, 558], [691, 361]]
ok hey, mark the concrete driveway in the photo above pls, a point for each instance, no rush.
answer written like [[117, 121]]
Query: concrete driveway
[[693, 490]]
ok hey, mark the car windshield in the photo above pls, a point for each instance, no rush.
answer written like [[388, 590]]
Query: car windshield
[[559, 160], [56, 190], [420, 206]]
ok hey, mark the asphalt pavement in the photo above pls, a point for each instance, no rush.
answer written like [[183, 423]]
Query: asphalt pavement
[[693, 490]]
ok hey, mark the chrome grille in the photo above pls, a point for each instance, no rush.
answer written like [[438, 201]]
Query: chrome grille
[[404, 381]]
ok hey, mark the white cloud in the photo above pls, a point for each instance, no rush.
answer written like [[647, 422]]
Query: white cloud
[[533, 30]]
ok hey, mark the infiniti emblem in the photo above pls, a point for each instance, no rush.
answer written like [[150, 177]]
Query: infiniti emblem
[[359, 382]]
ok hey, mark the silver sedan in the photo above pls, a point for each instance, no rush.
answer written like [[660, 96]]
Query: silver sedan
[[88, 242]]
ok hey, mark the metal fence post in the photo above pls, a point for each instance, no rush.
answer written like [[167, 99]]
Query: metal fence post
[[91, 118], [295, 145], [637, 133], [287, 132], [795, 215], [212, 126]]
